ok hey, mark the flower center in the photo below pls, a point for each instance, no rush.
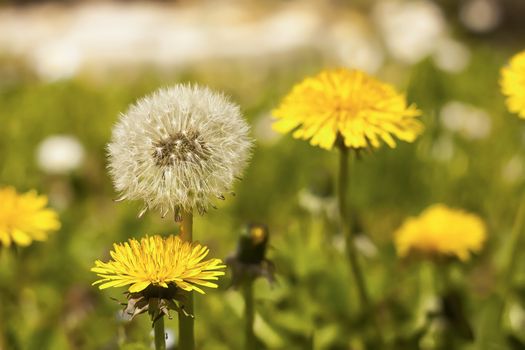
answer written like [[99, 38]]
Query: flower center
[[180, 147]]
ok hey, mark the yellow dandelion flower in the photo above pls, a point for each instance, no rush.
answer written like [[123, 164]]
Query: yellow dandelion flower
[[158, 262], [440, 230], [360, 108], [24, 218], [513, 84]]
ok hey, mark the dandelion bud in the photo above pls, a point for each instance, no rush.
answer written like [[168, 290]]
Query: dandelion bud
[[249, 261]]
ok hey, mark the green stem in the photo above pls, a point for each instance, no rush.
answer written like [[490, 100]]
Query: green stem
[[515, 246], [160, 335], [186, 324], [515, 239], [343, 181], [349, 235], [249, 315]]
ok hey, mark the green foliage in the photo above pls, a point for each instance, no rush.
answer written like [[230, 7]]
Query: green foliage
[[47, 298]]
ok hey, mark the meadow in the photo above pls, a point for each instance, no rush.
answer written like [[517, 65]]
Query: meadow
[[47, 297]]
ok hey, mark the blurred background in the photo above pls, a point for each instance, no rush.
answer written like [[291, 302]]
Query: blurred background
[[68, 68]]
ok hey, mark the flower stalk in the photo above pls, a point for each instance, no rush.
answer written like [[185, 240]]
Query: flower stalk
[[159, 333], [186, 321], [349, 235], [342, 189], [515, 240], [248, 263], [508, 272], [249, 314]]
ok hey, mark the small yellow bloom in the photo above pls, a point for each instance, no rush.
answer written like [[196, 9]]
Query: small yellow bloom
[[360, 108], [25, 218], [440, 230], [513, 84], [158, 262]]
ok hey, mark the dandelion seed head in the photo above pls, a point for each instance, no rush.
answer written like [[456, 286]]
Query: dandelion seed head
[[179, 149]]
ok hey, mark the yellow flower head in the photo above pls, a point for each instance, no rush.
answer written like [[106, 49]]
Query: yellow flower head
[[440, 230], [159, 262], [513, 84], [363, 110], [24, 218]]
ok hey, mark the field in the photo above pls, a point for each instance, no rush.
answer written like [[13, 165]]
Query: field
[[470, 156]]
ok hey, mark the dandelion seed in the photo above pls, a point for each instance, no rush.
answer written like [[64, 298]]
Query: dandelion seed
[[179, 149], [363, 110], [440, 230], [513, 84], [24, 218]]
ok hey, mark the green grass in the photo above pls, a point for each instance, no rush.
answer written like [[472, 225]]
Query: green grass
[[47, 301]]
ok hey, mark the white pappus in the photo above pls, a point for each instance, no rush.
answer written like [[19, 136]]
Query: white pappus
[[178, 149]]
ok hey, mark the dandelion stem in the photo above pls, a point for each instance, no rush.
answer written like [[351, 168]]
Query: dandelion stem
[[186, 227], [515, 244], [160, 335], [186, 324], [515, 239], [249, 315], [350, 246], [351, 250]]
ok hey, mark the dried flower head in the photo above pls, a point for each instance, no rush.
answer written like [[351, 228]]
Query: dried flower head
[[440, 230], [513, 84], [24, 218], [159, 262], [362, 110], [178, 149]]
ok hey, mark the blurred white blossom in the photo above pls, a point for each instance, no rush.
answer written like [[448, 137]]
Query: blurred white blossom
[[480, 15], [59, 154], [411, 29], [469, 121], [56, 60], [169, 334], [263, 130], [317, 205], [170, 339], [355, 47], [512, 170], [443, 149], [365, 246], [451, 55]]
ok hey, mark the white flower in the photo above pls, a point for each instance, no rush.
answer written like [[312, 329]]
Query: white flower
[[480, 16], [354, 46], [178, 149], [59, 154], [512, 170], [451, 56], [469, 121], [410, 29], [443, 149]]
